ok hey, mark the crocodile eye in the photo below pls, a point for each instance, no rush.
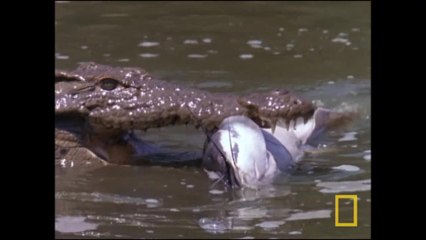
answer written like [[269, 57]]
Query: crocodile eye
[[108, 84]]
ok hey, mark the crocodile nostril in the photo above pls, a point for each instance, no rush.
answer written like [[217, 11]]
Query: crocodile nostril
[[63, 151], [90, 107]]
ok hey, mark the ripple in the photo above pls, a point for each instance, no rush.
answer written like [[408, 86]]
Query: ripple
[[148, 44], [341, 40], [254, 42], [349, 136], [270, 224], [148, 55], [216, 192], [73, 224], [212, 225], [348, 168], [152, 201], [114, 15], [212, 51], [249, 213], [214, 84], [134, 219], [123, 60], [346, 186], [207, 40], [105, 198], [197, 56], [246, 56], [190, 41], [367, 157], [326, 213], [61, 57], [212, 175]]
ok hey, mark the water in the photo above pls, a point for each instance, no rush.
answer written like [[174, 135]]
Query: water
[[320, 50]]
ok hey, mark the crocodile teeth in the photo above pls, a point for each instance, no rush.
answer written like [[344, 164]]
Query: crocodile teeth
[[273, 125], [303, 129]]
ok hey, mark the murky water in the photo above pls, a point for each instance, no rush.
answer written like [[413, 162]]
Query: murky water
[[320, 50]]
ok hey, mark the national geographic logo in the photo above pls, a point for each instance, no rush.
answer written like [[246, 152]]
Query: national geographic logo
[[354, 223]]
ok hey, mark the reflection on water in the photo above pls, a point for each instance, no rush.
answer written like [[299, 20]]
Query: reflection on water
[[75, 224], [345, 186], [320, 50]]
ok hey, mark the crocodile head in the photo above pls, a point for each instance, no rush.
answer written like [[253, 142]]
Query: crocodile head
[[128, 98], [109, 102], [99, 106]]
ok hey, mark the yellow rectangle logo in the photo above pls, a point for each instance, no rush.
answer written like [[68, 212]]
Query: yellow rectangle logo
[[354, 223]]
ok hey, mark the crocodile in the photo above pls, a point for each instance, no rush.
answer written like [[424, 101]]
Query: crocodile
[[98, 108]]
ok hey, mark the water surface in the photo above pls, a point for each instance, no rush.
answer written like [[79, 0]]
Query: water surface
[[320, 50]]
